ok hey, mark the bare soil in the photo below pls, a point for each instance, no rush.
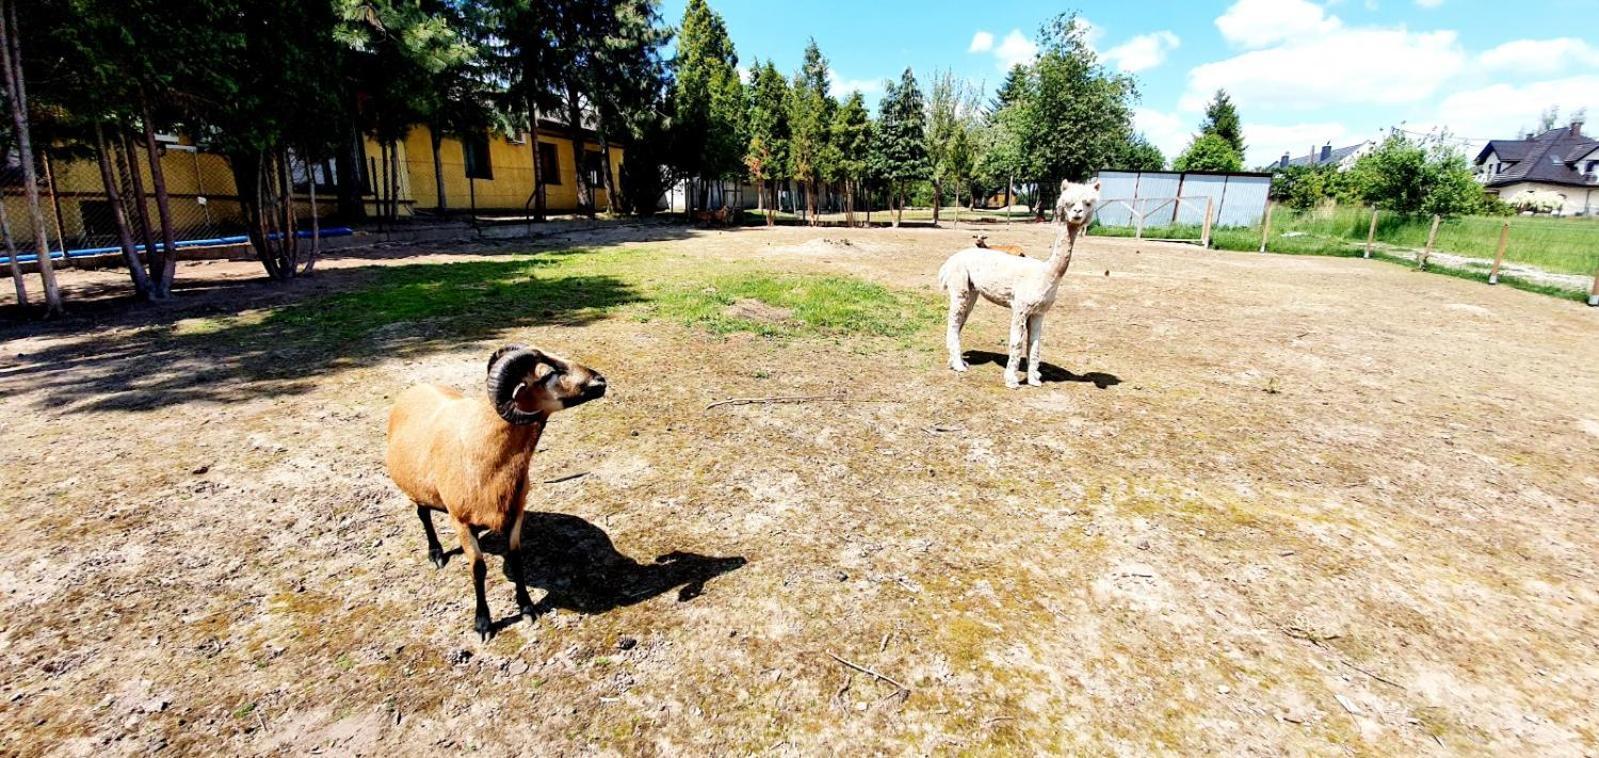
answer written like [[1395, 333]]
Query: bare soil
[[1262, 504]]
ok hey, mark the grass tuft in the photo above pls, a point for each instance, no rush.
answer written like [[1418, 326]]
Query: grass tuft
[[819, 306]]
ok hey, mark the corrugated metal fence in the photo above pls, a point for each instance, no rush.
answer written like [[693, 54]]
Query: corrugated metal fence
[[1236, 199]]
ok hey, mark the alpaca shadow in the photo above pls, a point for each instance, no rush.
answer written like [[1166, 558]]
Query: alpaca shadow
[[576, 563], [1049, 372]]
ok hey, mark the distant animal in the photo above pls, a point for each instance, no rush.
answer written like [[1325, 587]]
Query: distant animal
[[982, 242], [719, 217], [1026, 286], [468, 455]]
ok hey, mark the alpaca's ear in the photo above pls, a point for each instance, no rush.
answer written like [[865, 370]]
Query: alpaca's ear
[[1096, 184], [1064, 183]]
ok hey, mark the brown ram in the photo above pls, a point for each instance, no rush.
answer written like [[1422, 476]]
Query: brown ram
[[468, 456]]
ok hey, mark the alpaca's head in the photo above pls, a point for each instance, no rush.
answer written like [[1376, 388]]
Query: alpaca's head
[[1076, 203]]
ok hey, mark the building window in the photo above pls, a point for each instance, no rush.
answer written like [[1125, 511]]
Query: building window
[[594, 168], [476, 149], [549, 167]]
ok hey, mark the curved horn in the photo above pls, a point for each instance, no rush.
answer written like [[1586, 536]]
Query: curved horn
[[507, 367]]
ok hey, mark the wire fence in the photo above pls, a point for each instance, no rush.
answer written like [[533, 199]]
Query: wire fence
[[80, 215]]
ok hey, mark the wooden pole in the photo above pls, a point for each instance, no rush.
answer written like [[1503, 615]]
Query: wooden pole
[[1371, 234], [1593, 295], [1265, 231], [1499, 257], [1432, 238], [1205, 235]]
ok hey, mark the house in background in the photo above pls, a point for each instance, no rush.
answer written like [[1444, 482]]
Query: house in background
[[1562, 161], [1342, 157]]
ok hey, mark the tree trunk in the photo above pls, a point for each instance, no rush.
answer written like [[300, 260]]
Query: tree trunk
[[119, 215], [574, 117], [536, 197], [267, 223], [289, 223], [141, 209], [11, 253], [349, 165], [810, 202], [938, 201], [438, 171], [770, 185], [162, 280], [394, 178], [316, 222], [899, 205], [1008, 181], [55, 204], [17, 92], [609, 180]]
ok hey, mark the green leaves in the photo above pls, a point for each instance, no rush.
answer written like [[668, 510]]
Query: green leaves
[[1210, 152]]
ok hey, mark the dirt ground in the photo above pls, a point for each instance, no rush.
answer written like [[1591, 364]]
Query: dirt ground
[[1263, 504]]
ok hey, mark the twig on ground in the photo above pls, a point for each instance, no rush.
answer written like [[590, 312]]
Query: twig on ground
[[567, 478], [865, 670], [1388, 682], [940, 428], [798, 399], [1348, 706], [884, 645]]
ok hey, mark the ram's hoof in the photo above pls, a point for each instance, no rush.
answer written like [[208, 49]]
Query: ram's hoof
[[530, 611], [436, 557], [485, 628]]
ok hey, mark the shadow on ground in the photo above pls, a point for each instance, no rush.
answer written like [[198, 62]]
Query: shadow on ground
[[231, 354], [581, 569], [1049, 372]]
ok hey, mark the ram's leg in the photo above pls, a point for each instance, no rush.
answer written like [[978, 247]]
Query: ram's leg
[[960, 307], [435, 550], [516, 564], [474, 557], [1018, 344], [1035, 342]]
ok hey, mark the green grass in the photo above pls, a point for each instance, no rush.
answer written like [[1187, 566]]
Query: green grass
[[1557, 245], [820, 305]]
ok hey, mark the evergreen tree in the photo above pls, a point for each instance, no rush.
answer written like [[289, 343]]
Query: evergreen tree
[[901, 144], [851, 144], [810, 109], [1139, 154], [1221, 119], [766, 158], [707, 99]]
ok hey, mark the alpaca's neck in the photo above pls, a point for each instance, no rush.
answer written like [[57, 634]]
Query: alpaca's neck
[[1061, 256]]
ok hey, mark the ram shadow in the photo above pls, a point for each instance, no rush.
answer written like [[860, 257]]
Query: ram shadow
[[580, 569]]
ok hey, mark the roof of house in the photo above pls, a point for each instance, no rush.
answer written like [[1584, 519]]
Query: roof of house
[[1337, 155], [1546, 159], [1581, 151], [1510, 150]]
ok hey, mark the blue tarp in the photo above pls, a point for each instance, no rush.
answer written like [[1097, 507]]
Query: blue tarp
[[84, 252]]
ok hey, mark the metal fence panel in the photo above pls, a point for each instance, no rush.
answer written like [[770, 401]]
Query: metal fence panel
[[1236, 199], [1246, 201]]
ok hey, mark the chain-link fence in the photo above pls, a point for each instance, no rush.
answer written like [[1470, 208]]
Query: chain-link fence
[[80, 219]]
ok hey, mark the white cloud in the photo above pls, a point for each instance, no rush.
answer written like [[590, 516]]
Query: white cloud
[[982, 42], [1499, 111], [1354, 66], [1266, 143], [1015, 49], [1259, 23], [1541, 56], [1143, 52], [842, 87], [1167, 131], [1429, 3]]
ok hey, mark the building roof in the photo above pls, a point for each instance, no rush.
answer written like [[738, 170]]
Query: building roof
[[1335, 155], [1581, 151], [1546, 159], [1508, 150]]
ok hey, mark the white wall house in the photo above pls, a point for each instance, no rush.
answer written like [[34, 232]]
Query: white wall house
[[1562, 161]]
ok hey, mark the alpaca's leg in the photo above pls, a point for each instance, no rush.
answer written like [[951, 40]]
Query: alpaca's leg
[[1018, 343], [1035, 341], [960, 307]]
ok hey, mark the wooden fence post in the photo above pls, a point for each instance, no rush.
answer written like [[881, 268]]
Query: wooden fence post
[[1432, 238], [1205, 235], [1593, 294], [1265, 230], [1371, 234], [1499, 257]]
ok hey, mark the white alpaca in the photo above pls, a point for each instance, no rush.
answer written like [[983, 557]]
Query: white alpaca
[[1024, 285]]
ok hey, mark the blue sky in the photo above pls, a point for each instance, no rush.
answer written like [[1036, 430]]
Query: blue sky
[[1303, 72]]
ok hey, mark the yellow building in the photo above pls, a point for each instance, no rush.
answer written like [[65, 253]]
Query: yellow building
[[492, 174]]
